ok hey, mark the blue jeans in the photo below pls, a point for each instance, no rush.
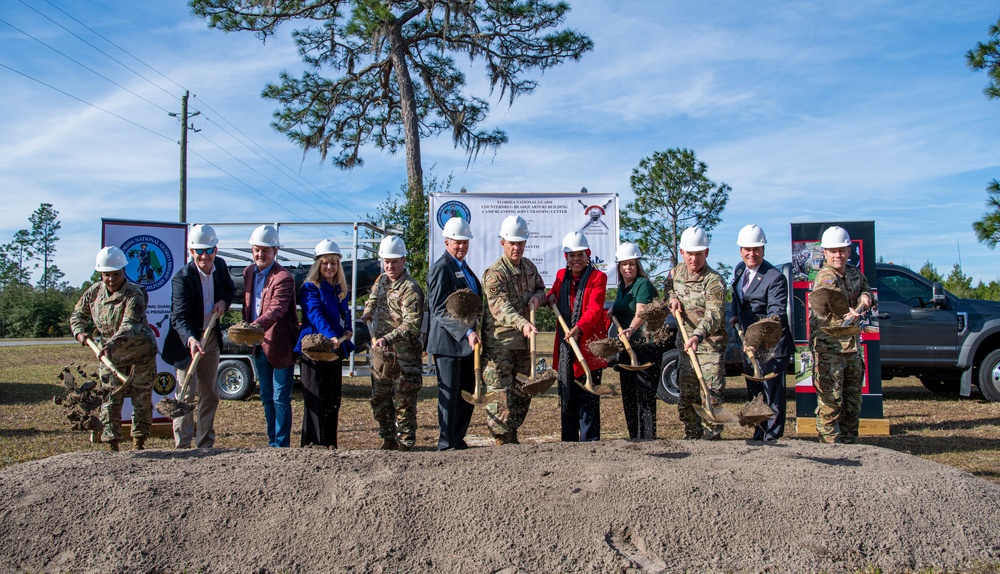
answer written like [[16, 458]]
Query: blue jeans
[[276, 395]]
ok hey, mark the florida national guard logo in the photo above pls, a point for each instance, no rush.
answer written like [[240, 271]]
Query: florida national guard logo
[[150, 262], [452, 209], [164, 383]]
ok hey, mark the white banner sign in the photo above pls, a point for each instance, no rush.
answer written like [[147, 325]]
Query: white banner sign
[[550, 217], [155, 251]]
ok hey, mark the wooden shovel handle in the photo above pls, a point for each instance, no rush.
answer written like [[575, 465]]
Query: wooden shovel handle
[[625, 341], [694, 363], [107, 362], [573, 344]]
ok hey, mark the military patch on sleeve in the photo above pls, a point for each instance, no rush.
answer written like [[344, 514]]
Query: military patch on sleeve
[[494, 289]]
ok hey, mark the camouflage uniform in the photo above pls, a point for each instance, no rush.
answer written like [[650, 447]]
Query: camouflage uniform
[[508, 290], [838, 365], [121, 317], [398, 311], [703, 296]]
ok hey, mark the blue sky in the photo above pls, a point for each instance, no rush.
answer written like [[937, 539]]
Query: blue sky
[[811, 111]]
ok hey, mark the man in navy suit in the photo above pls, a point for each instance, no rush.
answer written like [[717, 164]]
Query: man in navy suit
[[200, 288], [450, 340], [760, 290]]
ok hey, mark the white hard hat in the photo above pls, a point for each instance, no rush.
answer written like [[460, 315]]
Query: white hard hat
[[457, 228], [514, 228], [751, 236], [836, 237], [575, 241], [110, 258], [202, 237], [392, 247], [627, 251], [327, 247], [265, 236], [694, 239]]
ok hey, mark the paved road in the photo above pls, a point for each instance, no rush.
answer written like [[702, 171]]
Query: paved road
[[26, 342]]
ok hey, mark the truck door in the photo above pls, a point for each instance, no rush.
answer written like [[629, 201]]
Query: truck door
[[912, 330]]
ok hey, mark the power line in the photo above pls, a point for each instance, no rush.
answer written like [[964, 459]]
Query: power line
[[282, 168], [77, 36], [251, 168], [85, 67], [51, 87], [248, 186]]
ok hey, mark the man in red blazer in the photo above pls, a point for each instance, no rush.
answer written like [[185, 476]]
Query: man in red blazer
[[579, 292], [269, 302]]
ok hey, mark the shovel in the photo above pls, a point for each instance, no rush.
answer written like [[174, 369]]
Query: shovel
[[589, 384], [710, 413], [753, 360], [175, 408], [126, 380], [542, 377], [478, 397], [631, 352], [847, 328]]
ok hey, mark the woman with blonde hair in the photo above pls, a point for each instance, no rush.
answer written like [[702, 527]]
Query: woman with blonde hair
[[325, 311]]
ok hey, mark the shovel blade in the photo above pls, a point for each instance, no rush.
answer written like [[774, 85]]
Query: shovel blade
[[635, 368], [473, 399], [599, 390], [718, 415], [540, 383]]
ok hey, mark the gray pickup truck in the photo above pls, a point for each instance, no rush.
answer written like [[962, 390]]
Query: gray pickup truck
[[950, 344], [947, 342]]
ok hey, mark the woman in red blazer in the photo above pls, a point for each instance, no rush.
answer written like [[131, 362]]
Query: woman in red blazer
[[579, 292]]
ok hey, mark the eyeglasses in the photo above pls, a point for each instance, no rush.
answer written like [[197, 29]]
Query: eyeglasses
[[206, 251]]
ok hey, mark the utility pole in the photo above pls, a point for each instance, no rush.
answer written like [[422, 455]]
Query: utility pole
[[184, 139]]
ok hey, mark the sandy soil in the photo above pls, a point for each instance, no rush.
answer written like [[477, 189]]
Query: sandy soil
[[614, 506]]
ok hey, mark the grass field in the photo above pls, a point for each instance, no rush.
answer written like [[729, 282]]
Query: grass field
[[959, 432]]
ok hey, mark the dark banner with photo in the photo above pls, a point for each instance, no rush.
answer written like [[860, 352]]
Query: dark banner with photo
[[807, 258]]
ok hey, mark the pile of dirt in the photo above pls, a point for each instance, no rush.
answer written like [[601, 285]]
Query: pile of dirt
[[612, 506]]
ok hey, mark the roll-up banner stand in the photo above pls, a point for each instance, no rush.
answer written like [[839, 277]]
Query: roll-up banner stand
[[155, 251], [807, 258], [550, 217]]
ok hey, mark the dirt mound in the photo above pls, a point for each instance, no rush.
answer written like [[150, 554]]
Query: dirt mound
[[612, 506]]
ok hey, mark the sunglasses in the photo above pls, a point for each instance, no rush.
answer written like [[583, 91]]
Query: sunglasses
[[206, 251]]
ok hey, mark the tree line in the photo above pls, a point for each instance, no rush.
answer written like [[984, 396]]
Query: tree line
[[42, 308]]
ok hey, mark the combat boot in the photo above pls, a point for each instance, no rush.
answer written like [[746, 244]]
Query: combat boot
[[403, 447], [113, 445], [138, 443], [512, 437], [388, 444]]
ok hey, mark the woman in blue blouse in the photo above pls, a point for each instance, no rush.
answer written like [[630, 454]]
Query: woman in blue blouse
[[325, 310], [635, 291]]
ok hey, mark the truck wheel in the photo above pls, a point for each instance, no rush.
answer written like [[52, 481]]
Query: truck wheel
[[235, 380], [989, 376], [938, 385], [668, 391]]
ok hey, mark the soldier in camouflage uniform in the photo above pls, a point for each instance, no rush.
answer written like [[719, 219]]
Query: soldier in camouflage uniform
[[513, 287], [838, 365], [699, 292], [396, 305], [117, 310]]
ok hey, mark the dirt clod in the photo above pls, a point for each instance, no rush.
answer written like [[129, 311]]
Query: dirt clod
[[606, 348], [464, 305], [244, 333], [755, 412], [83, 402], [173, 408], [655, 314]]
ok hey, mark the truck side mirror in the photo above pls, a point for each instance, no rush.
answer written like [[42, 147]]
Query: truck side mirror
[[937, 295]]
